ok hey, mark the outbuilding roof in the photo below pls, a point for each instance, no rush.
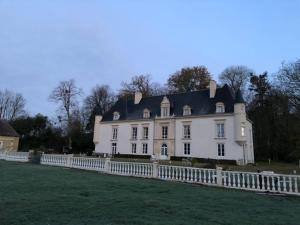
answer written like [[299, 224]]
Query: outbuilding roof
[[199, 101], [7, 130]]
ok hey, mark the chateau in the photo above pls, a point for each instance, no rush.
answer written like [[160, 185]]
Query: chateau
[[207, 124]]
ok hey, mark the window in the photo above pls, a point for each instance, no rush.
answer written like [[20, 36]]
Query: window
[[186, 110], [221, 149], [115, 133], [220, 130], [133, 148], [145, 132], [243, 131], [187, 148], [186, 131], [164, 132], [220, 107], [165, 111], [145, 148], [134, 133], [164, 149], [116, 115], [146, 113], [113, 148]]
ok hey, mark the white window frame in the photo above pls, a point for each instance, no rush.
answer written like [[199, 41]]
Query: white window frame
[[134, 132], [114, 148], [133, 148], [146, 114], [186, 110], [220, 130], [164, 132], [164, 149], [186, 131], [145, 132], [220, 107], [165, 111], [114, 133], [221, 149], [116, 115], [145, 148], [187, 148]]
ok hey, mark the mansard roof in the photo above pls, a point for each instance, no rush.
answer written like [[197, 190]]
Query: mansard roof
[[199, 101], [7, 130]]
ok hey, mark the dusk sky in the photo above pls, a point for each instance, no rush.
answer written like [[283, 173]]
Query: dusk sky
[[105, 42]]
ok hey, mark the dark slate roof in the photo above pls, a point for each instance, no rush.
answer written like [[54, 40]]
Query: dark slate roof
[[239, 97], [199, 102], [7, 130]]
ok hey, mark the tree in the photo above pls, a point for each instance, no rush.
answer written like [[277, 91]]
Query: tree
[[66, 94], [236, 77], [140, 83], [289, 80], [260, 85], [97, 103], [189, 79], [11, 105]]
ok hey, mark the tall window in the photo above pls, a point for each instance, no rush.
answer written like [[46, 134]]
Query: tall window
[[164, 149], [115, 133], [187, 148], [134, 133], [221, 149], [220, 108], [146, 113], [145, 132], [113, 148], [133, 148], [243, 132], [220, 130], [145, 148], [186, 131], [165, 111], [164, 132]]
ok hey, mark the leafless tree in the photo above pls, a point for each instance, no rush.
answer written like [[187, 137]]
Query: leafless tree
[[11, 105], [236, 77], [66, 94]]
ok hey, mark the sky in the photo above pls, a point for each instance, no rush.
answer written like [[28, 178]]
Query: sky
[[100, 42]]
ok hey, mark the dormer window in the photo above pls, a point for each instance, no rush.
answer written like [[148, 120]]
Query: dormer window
[[165, 107], [186, 110], [146, 114], [220, 108], [116, 116]]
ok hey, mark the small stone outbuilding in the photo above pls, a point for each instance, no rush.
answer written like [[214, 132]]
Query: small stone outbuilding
[[9, 138]]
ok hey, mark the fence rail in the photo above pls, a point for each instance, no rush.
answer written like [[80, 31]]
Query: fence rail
[[14, 156], [275, 183]]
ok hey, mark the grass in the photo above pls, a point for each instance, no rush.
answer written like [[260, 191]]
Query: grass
[[41, 195]]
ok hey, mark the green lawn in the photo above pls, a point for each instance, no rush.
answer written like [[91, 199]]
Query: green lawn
[[41, 195]]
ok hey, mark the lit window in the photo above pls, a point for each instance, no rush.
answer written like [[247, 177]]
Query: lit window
[[113, 148], [133, 148], [116, 116], [164, 132], [145, 132], [243, 131], [115, 133], [146, 114], [134, 133], [187, 148], [186, 131], [186, 110], [221, 149], [220, 107], [145, 148], [220, 130]]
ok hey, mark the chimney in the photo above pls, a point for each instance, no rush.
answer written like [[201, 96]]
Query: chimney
[[137, 97], [212, 88]]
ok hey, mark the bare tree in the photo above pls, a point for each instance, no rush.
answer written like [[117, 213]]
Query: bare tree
[[11, 105], [66, 94], [236, 77]]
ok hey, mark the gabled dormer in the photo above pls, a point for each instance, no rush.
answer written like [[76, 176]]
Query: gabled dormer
[[116, 115], [146, 113], [165, 107], [187, 110]]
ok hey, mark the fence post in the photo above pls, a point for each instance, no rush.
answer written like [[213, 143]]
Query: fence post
[[69, 160], [107, 165], [219, 176], [155, 169]]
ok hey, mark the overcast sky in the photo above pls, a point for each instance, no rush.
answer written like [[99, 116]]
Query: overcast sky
[[104, 42]]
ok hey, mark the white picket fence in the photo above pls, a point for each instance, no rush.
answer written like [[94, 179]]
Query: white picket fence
[[275, 183], [14, 156]]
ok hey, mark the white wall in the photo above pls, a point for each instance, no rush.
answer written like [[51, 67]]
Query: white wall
[[203, 138], [124, 137]]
